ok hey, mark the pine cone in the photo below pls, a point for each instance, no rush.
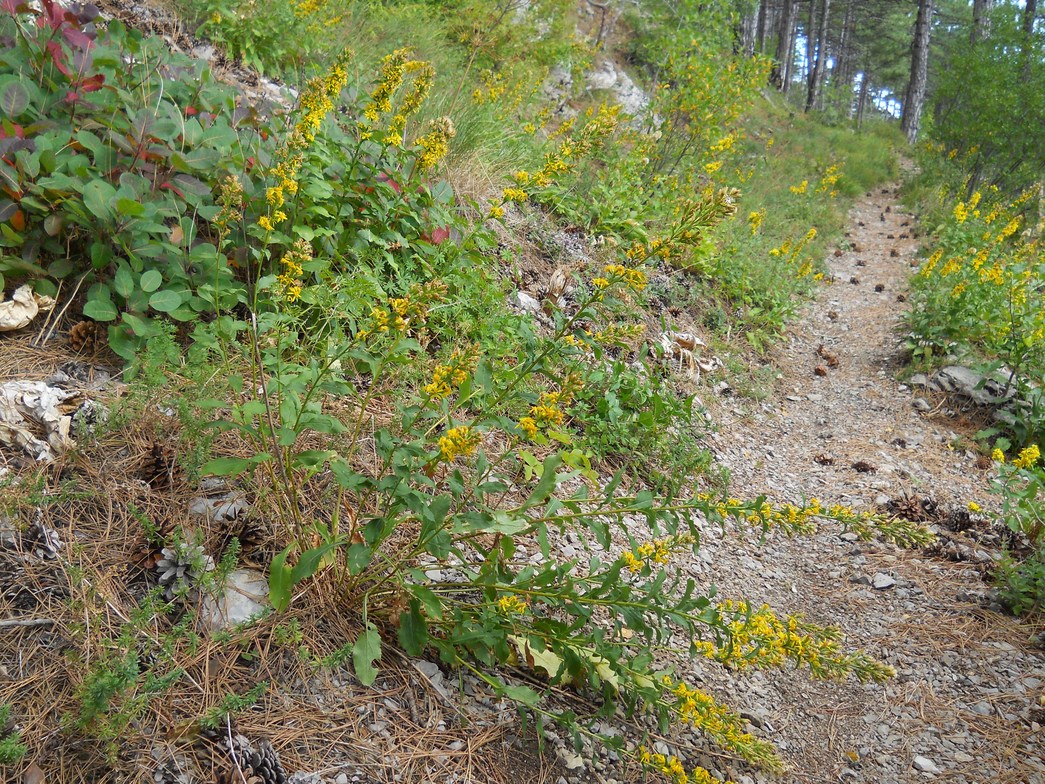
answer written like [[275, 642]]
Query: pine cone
[[87, 337], [181, 568], [260, 764], [161, 470]]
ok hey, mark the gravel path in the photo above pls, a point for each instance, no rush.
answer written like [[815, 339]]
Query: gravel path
[[968, 703]]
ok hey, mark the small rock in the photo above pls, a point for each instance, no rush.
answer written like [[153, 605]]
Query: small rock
[[881, 581], [342, 778], [925, 765], [860, 579], [245, 597], [921, 404], [526, 303]]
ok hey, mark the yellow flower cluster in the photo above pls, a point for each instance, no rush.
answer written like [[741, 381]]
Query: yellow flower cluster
[[492, 89], [635, 279], [829, 181], [395, 67], [230, 198], [1027, 457], [436, 143], [458, 442], [548, 410], [289, 278], [672, 769], [571, 148], [700, 711], [445, 378], [998, 455], [318, 98], [757, 638], [657, 551], [423, 74], [755, 219], [800, 188], [794, 519], [512, 605], [409, 312]]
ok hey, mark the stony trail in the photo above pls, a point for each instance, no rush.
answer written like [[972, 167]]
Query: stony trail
[[967, 704]]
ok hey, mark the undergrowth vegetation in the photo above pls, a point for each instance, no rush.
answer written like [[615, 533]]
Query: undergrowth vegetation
[[325, 318], [978, 301]]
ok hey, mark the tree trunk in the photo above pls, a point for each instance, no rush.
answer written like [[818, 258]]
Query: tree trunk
[[810, 32], [1030, 11], [785, 47], [865, 92], [981, 20], [819, 68], [915, 96], [842, 76], [760, 26]]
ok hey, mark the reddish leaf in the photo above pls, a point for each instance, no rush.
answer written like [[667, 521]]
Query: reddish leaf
[[92, 83], [72, 96], [171, 187], [191, 111], [58, 56], [383, 177], [438, 235]]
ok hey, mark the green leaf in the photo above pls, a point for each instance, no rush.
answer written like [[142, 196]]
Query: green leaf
[[141, 327], [165, 301], [413, 629], [546, 484], [309, 562], [280, 583], [123, 281], [231, 466], [100, 309], [310, 458], [129, 208], [365, 652], [429, 598], [524, 695], [14, 97], [150, 280], [97, 197], [359, 557]]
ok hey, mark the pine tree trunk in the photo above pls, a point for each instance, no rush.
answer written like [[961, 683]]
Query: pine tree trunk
[[810, 32], [760, 26], [819, 67], [981, 20], [915, 97], [842, 77], [785, 48], [861, 104], [1030, 11]]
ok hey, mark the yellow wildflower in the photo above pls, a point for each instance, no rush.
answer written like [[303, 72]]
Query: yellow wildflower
[[1027, 457], [458, 442], [512, 605]]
